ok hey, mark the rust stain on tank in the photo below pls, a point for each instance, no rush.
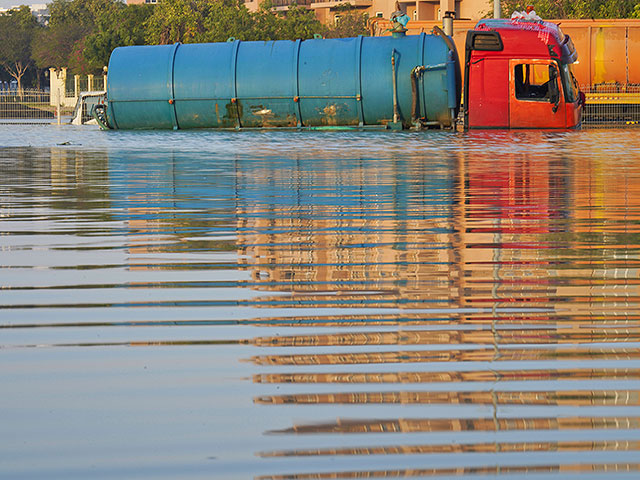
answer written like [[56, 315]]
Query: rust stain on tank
[[330, 110], [330, 114]]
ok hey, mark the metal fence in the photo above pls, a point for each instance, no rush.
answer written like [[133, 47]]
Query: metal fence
[[27, 106], [612, 105]]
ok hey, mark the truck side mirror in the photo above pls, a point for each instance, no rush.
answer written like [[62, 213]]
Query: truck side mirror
[[554, 92]]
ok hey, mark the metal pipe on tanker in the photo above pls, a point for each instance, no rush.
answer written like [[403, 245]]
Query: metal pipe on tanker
[[394, 85], [447, 23], [497, 9]]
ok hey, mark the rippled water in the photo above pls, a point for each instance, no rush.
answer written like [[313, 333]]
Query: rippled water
[[281, 305]]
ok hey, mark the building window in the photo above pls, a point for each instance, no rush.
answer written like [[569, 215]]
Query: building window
[[379, 14]]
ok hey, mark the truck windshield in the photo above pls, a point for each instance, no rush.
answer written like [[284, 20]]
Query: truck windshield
[[570, 84]]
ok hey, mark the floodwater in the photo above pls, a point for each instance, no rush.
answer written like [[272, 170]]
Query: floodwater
[[319, 305]]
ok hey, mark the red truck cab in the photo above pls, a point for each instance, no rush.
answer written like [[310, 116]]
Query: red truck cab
[[518, 75]]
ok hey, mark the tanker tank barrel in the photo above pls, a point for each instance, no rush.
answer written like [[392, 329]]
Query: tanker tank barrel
[[316, 83]]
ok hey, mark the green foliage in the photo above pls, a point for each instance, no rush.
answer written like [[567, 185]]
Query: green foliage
[[194, 21], [191, 21], [176, 21], [296, 23], [18, 28], [227, 18], [82, 33], [576, 8], [351, 23], [71, 21], [120, 27]]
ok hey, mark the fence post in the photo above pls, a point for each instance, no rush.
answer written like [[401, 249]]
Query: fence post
[[58, 108], [54, 85], [90, 83], [76, 85]]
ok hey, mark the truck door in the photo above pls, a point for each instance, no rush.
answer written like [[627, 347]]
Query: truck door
[[536, 99]]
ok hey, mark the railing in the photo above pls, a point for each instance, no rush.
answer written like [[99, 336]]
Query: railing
[[80, 83], [16, 106], [69, 87], [288, 3], [612, 105]]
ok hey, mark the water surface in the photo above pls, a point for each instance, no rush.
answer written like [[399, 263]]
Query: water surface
[[271, 305]]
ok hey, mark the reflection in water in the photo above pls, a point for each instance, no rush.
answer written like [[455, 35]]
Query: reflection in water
[[507, 285], [458, 376], [406, 425], [606, 469], [572, 446], [572, 398]]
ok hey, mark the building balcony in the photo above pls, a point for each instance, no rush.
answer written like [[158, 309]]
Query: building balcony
[[288, 3], [335, 3]]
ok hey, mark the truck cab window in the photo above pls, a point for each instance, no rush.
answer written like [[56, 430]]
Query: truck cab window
[[532, 81]]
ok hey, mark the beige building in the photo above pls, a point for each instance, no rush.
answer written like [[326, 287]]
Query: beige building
[[326, 10]]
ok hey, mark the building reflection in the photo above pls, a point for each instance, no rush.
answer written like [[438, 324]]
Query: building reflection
[[408, 425], [530, 264], [557, 233], [454, 234], [605, 469], [529, 246], [486, 447], [511, 287]]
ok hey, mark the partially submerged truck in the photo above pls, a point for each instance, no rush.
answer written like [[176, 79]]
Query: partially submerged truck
[[517, 75]]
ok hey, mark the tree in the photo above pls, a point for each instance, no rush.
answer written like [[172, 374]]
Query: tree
[[295, 23], [298, 23], [63, 42], [228, 18], [192, 21], [350, 23], [120, 27], [18, 28]]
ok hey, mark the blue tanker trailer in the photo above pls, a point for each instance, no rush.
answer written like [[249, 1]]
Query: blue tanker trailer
[[398, 81]]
